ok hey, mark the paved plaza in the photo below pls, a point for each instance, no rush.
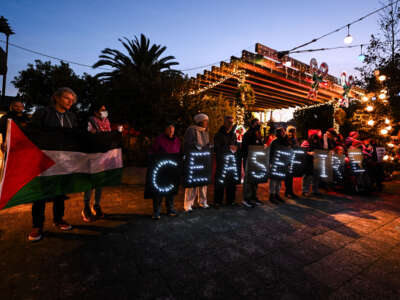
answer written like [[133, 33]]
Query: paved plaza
[[334, 247]]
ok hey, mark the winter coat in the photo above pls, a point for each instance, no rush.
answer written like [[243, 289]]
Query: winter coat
[[164, 144], [222, 141], [250, 138], [309, 146], [48, 118], [196, 138]]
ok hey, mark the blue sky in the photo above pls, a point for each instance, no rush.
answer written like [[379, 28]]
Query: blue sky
[[195, 32]]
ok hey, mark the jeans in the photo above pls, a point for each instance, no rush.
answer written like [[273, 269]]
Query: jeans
[[309, 180], [169, 202], [219, 193], [192, 193], [275, 186], [38, 209], [97, 197]]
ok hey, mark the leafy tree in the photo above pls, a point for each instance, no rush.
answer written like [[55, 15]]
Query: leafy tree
[[142, 87], [38, 82]]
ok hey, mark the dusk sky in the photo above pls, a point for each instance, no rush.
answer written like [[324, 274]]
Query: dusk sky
[[195, 32]]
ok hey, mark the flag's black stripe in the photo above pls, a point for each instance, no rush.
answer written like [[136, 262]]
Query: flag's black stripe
[[65, 139]]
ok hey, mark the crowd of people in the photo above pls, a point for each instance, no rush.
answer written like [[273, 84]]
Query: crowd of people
[[225, 140], [196, 137]]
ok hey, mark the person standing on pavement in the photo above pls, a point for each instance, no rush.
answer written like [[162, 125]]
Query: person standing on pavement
[[224, 142], [275, 184], [167, 142], [252, 137], [57, 115], [17, 114], [97, 122], [196, 138], [313, 143], [292, 143]]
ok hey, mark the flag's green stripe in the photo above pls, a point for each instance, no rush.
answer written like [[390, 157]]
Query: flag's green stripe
[[49, 186]]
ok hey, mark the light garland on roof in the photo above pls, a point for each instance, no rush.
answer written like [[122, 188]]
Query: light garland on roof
[[235, 74]]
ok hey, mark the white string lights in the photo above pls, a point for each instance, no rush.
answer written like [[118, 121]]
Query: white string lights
[[280, 163], [195, 167], [154, 177], [262, 173], [230, 166]]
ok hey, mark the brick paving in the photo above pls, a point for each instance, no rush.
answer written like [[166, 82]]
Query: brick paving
[[334, 247]]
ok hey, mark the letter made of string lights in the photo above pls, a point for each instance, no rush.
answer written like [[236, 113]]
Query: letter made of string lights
[[229, 170]]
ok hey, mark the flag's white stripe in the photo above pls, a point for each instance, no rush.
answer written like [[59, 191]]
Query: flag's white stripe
[[68, 162]]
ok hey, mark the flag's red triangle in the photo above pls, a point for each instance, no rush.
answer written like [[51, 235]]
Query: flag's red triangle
[[24, 162]]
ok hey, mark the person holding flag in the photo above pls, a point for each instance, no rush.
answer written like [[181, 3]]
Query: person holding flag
[[56, 115]]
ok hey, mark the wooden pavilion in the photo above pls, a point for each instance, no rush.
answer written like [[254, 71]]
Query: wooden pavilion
[[277, 82]]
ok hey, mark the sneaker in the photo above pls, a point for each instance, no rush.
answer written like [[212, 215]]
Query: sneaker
[[62, 225], [35, 235], [98, 213], [172, 213], [246, 204], [189, 210], [87, 215], [258, 202], [205, 205], [156, 217]]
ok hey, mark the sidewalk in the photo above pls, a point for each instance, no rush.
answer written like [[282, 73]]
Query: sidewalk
[[335, 247]]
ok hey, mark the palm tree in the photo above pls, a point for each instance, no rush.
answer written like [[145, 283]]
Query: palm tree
[[141, 59]]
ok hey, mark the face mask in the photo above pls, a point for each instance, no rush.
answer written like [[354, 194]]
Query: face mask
[[104, 114]]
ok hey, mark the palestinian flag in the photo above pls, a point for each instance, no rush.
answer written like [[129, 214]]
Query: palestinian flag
[[42, 164]]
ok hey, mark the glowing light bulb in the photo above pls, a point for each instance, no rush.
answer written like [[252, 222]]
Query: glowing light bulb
[[371, 122], [348, 39], [370, 108], [386, 157], [387, 121], [390, 145], [382, 96], [361, 57], [384, 131], [364, 98], [389, 127], [382, 78]]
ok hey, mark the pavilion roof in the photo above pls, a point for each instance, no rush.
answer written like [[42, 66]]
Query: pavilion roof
[[275, 84]]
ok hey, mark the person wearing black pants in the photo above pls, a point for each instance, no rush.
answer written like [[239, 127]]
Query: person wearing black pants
[[224, 142], [292, 142], [57, 115]]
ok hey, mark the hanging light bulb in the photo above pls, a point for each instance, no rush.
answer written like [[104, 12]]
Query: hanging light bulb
[[389, 127], [371, 122], [384, 131], [348, 39], [361, 57], [364, 98], [387, 121], [370, 108], [386, 157], [382, 78], [382, 96], [390, 145]]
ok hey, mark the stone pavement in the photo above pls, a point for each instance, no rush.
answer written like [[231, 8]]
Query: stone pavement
[[334, 247]]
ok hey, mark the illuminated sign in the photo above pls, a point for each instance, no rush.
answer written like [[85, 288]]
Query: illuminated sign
[[257, 164], [197, 168], [356, 160], [229, 172], [163, 175]]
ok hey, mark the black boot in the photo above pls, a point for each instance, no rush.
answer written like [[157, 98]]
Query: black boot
[[278, 198], [272, 199]]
